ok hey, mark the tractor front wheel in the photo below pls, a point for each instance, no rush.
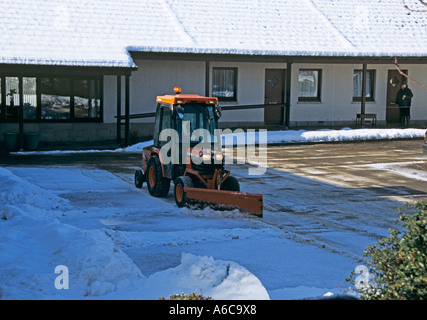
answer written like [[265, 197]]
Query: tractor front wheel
[[139, 178], [157, 185], [230, 184], [181, 183]]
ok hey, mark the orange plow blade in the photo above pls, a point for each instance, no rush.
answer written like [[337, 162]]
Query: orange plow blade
[[246, 202]]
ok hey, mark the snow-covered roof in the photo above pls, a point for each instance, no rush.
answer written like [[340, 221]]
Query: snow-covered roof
[[103, 32]]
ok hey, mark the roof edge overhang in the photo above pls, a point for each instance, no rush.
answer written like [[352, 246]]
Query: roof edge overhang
[[36, 69], [323, 59]]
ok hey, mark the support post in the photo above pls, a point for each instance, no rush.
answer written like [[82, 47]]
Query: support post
[[119, 110], [287, 115], [363, 100], [3, 99], [21, 113], [207, 78], [127, 109]]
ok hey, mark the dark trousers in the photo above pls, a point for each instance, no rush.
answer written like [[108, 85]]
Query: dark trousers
[[405, 116]]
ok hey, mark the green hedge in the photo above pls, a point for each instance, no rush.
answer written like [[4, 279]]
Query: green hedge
[[396, 266]]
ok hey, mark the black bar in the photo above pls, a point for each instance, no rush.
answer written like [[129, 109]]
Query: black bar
[[119, 109], [363, 100], [3, 98], [252, 106], [137, 116], [224, 108], [127, 107], [288, 94], [207, 78], [39, 99], [21, 112]]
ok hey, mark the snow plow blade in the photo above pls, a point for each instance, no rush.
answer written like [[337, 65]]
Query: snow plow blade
[[246, 202]]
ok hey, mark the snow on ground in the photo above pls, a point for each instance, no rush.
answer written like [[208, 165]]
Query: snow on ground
[[120, 243], [34, 240], [407, 169], [213, 278], [322, 135]]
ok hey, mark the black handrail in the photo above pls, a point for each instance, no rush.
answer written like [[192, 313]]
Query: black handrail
[[223, 108]]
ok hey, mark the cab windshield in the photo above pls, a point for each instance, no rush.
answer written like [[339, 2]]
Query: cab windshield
[[191, 117]]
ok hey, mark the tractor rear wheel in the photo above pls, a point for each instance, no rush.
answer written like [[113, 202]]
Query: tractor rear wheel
[[157, 185], [230, 184], [181, 183], [139, 178]]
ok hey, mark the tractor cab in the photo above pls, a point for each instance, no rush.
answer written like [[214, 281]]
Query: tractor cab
[[194, 118], [187, 150]]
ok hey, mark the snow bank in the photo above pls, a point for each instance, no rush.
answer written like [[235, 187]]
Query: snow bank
[[221, 280], [15, 191], [136, 147], [304, 136], [322, 135], [133, 148], [33, 242]]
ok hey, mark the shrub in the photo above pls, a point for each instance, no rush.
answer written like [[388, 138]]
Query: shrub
[[183, 296], [397, 263]]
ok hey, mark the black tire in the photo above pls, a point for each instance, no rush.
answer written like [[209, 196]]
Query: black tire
[[156, 184], [230, 184], [139, 178], [180, 196]]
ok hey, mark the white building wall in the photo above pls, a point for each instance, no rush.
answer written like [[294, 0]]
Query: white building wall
[[336, 107], [419, 106], [110, 99], [153, 78], [250, 90]]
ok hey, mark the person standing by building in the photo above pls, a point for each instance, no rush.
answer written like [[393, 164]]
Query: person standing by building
[[403, 100]]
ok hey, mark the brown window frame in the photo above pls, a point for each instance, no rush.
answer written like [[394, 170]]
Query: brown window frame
[[373, 74], [221, 98], [317, 98]]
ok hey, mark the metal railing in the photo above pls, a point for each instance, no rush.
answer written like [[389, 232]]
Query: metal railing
[[223, 108]]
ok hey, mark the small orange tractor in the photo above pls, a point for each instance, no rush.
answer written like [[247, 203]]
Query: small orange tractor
[[187, 150]]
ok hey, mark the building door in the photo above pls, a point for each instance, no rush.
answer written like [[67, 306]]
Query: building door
[[394, 81], [274, 94]]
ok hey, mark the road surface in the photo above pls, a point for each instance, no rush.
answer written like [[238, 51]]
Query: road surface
[[324, 203]]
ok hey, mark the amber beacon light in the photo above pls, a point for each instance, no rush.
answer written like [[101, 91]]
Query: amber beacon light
[[177, 90]]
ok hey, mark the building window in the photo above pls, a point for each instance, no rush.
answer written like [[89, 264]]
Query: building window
[[29, 94], [224, 84], [309, 85], [12, 98], [357, 85], [51, 98], [55, 98], [87, 98]]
